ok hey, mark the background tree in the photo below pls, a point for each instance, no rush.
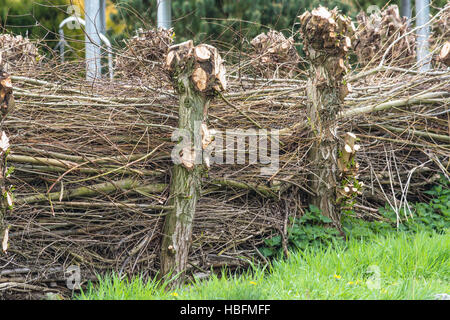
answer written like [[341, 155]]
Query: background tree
[[225, 22], [37, 19], [40, 19], [222, 22], [364, 4]]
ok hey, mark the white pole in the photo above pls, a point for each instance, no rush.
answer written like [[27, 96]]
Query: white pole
[[102, 28], [423, 34], [406, 10], [92, 38], [164, 14]]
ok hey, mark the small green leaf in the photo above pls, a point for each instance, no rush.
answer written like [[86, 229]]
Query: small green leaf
[[266, 252], [325, 219], [274, 241]]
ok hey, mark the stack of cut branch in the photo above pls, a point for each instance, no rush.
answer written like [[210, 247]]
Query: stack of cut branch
[[376, 33], [274, 55], [17, 52], [143, 55]]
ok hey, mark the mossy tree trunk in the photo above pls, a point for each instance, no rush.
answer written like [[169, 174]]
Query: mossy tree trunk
[[323, 154], [6, 200], [196, 73], [326, 37], [185, 184]]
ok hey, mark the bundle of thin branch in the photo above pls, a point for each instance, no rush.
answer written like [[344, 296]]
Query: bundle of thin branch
[[439, 41], [441, 26], [143, 53], [17, 52], [376, 33], [273, 55]]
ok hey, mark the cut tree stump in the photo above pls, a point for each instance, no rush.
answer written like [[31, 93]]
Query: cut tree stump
[[327, 40], [196, 73], [274, 55], [377, 32], [444, 56]]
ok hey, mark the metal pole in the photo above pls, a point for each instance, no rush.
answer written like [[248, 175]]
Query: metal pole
[[106, 42], [92, 38], [62, 44], [423, 34], [406, 9], [164, 14], [103, 17]]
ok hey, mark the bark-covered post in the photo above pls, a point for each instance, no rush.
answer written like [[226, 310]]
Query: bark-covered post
[[6, 200], [197, 73], [326, 41]]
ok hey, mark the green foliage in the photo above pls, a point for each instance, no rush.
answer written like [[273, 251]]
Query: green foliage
[[413, 261], [364, 4], [222, 22], [133, 14], [309, 231], [411, 266], [112, 286], [361, 229], [305, 232], [227, 22], [9, 171], [39, 20], [433, 215]]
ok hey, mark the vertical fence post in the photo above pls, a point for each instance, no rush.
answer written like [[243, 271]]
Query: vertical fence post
[[102, 13], [406, 9], [326, 38], [62, 45], [92, 39], [196, 73], [164, 14], [423, 34]]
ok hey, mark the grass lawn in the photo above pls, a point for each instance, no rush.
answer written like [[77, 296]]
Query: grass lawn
[[394, 266]]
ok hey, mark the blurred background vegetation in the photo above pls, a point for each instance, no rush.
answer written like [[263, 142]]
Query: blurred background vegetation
[[222, 22]]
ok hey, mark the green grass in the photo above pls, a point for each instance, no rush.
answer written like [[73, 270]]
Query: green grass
[[409, 266], [379, 261]]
